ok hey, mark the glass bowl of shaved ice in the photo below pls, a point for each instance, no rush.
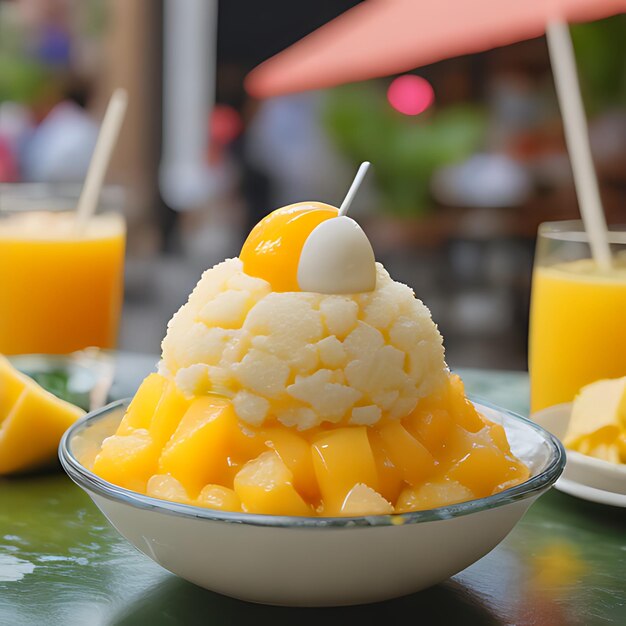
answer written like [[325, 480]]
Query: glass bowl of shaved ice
[[302, 441]]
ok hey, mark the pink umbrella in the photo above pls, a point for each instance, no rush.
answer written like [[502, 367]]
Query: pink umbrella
[[381, 37]]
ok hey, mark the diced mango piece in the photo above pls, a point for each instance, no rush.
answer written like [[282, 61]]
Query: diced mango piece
[[432, 495], [295, 453], [431, 427], [412, 459], [197, 452], [460, 441], [32, 421], [128, 460], [390, 481], [168, 414], [498, 436], [218, 497], [363, 500], [247, 444], [167, 487], [265, 485], [341, 459], [483, 468], [143, 405], [462, 410]]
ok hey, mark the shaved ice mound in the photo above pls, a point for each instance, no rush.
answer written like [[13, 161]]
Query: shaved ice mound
[[304, 359]]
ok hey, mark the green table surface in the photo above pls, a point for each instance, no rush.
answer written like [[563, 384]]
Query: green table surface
[[61, 563]]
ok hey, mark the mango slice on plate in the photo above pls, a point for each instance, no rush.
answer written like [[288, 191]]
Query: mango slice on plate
[[599, 420], [32, 421]]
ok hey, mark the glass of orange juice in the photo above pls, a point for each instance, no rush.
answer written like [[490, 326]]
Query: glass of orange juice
[[578, 314], [61, 286]]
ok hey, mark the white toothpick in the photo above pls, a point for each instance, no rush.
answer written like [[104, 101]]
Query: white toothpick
[[354, 187], [577, 137], [99, 164]]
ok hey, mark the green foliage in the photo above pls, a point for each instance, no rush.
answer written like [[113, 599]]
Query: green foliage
[[405, 150], [601, 58], [21, 80]]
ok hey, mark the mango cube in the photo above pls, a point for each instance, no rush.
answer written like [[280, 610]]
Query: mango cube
[[390, 481], [141, 409], [343, 458], [432, 495], [167, 414], [413, 460], [295, 453], [462, 410], [430, 427], [167, 487], [363, 500], [218, 497], [128, 460], [483, 468], [265, 485], [197, 452]]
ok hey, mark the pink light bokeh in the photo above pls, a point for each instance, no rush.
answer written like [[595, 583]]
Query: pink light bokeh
[[410, 94]]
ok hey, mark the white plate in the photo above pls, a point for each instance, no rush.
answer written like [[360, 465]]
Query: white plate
[[584, 476]]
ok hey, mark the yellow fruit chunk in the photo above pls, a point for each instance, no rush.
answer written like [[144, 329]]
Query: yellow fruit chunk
[[413, 460], [141, 409], [265, 485], [32, 421], [462, 410], [432, 495], [431, 427], [197, 452], [498, 436], [12, 383], [167, 488], [218, 497], [363, 500], [483, 468], [295, 453], [343, 458], [598, 418], [272, 249], [621, 447], [168, 413], [390, 481], [127, 460]]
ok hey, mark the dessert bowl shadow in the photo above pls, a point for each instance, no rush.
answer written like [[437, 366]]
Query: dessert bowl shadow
[[315, 561]]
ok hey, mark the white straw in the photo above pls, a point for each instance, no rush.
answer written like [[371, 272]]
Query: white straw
[[577, 137], [354, 187], [107, 139]]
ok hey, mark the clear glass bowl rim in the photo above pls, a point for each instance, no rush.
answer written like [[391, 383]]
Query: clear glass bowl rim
[[93, 483]]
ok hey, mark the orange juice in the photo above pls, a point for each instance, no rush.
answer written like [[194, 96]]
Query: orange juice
[[60, 289], [577, 329]]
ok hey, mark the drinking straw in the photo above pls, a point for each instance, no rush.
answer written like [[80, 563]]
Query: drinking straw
[[99, 164], [354, 187], [577, 138]]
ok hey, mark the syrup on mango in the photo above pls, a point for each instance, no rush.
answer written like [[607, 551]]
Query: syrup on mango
[[197, 452]]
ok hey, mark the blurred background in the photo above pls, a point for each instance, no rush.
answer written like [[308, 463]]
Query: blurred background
[[468, 155]]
